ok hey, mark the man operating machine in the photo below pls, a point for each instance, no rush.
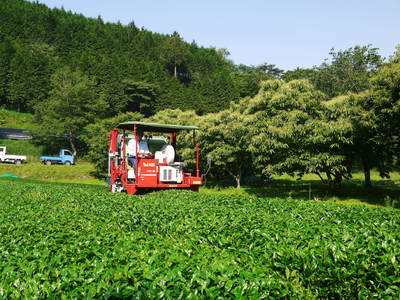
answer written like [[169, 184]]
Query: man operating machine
[[137, 162]]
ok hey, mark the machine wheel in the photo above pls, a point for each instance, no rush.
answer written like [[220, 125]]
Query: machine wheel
[[17, 162], [48, 162], [67, 163]]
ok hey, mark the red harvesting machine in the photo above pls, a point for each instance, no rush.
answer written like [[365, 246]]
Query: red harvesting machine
[[140, 162]]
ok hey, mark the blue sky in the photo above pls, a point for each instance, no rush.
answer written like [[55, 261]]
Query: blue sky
[[288, 33]]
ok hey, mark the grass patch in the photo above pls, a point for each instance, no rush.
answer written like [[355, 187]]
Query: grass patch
[[82, 172], [13, 119], [23, 147]]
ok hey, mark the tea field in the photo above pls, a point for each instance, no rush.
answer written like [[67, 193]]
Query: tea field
[[65, 241]]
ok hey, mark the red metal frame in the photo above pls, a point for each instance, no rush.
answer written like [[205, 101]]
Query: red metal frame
[[147, 170]]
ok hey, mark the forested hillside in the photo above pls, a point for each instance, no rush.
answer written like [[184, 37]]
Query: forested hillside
[[130, 68]]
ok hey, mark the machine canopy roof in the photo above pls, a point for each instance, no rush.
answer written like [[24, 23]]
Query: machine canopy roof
[[167, 128]]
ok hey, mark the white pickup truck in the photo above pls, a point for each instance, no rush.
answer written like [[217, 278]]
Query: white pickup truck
[[12, 159]]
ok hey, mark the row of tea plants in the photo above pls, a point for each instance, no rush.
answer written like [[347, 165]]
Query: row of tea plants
[[65, 241]]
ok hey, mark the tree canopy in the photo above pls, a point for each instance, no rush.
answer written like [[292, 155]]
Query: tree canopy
[[72, 104]]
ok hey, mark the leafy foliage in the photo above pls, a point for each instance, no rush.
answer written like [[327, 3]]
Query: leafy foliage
[[13, 119], [29, 74], [294, 132], [222, 135], [141, 96], [300, 73], [81, 242], [35, 41], [173, 55], [72, 104], [349, 71], [225, 136], [248, 78], [375, 115]]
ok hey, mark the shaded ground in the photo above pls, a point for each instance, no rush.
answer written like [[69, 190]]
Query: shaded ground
[[383, 192], [387, 194]]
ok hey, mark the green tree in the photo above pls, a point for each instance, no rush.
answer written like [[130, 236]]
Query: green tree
[[6, 53], [270, 69], [225, 136], [248, 78], [348, 71], [72, 104], [108, 53], [300, 73], [29, 76], [174, 52], [218, 90], [375, 114], [141, 96], [295, 132]]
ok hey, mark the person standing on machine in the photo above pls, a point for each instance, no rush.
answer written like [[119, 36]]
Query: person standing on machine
[[131, 149]]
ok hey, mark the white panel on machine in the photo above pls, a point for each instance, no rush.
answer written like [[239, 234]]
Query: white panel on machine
[[167, 152], [171, 174], [131, 174]]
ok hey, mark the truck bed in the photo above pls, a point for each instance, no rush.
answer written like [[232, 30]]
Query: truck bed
[[51, 158], [20, 157]]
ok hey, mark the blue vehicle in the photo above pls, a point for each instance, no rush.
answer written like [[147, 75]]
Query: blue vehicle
[[65, 158]]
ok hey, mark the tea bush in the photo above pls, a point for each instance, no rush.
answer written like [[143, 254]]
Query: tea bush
[[66, 241]]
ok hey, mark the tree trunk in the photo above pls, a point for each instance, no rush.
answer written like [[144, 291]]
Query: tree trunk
[[331, 187], [338, 182], [71, 142], [331, 183], [237, 178], [175, 72], [367, 172], [320, 177], [334, 183]]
